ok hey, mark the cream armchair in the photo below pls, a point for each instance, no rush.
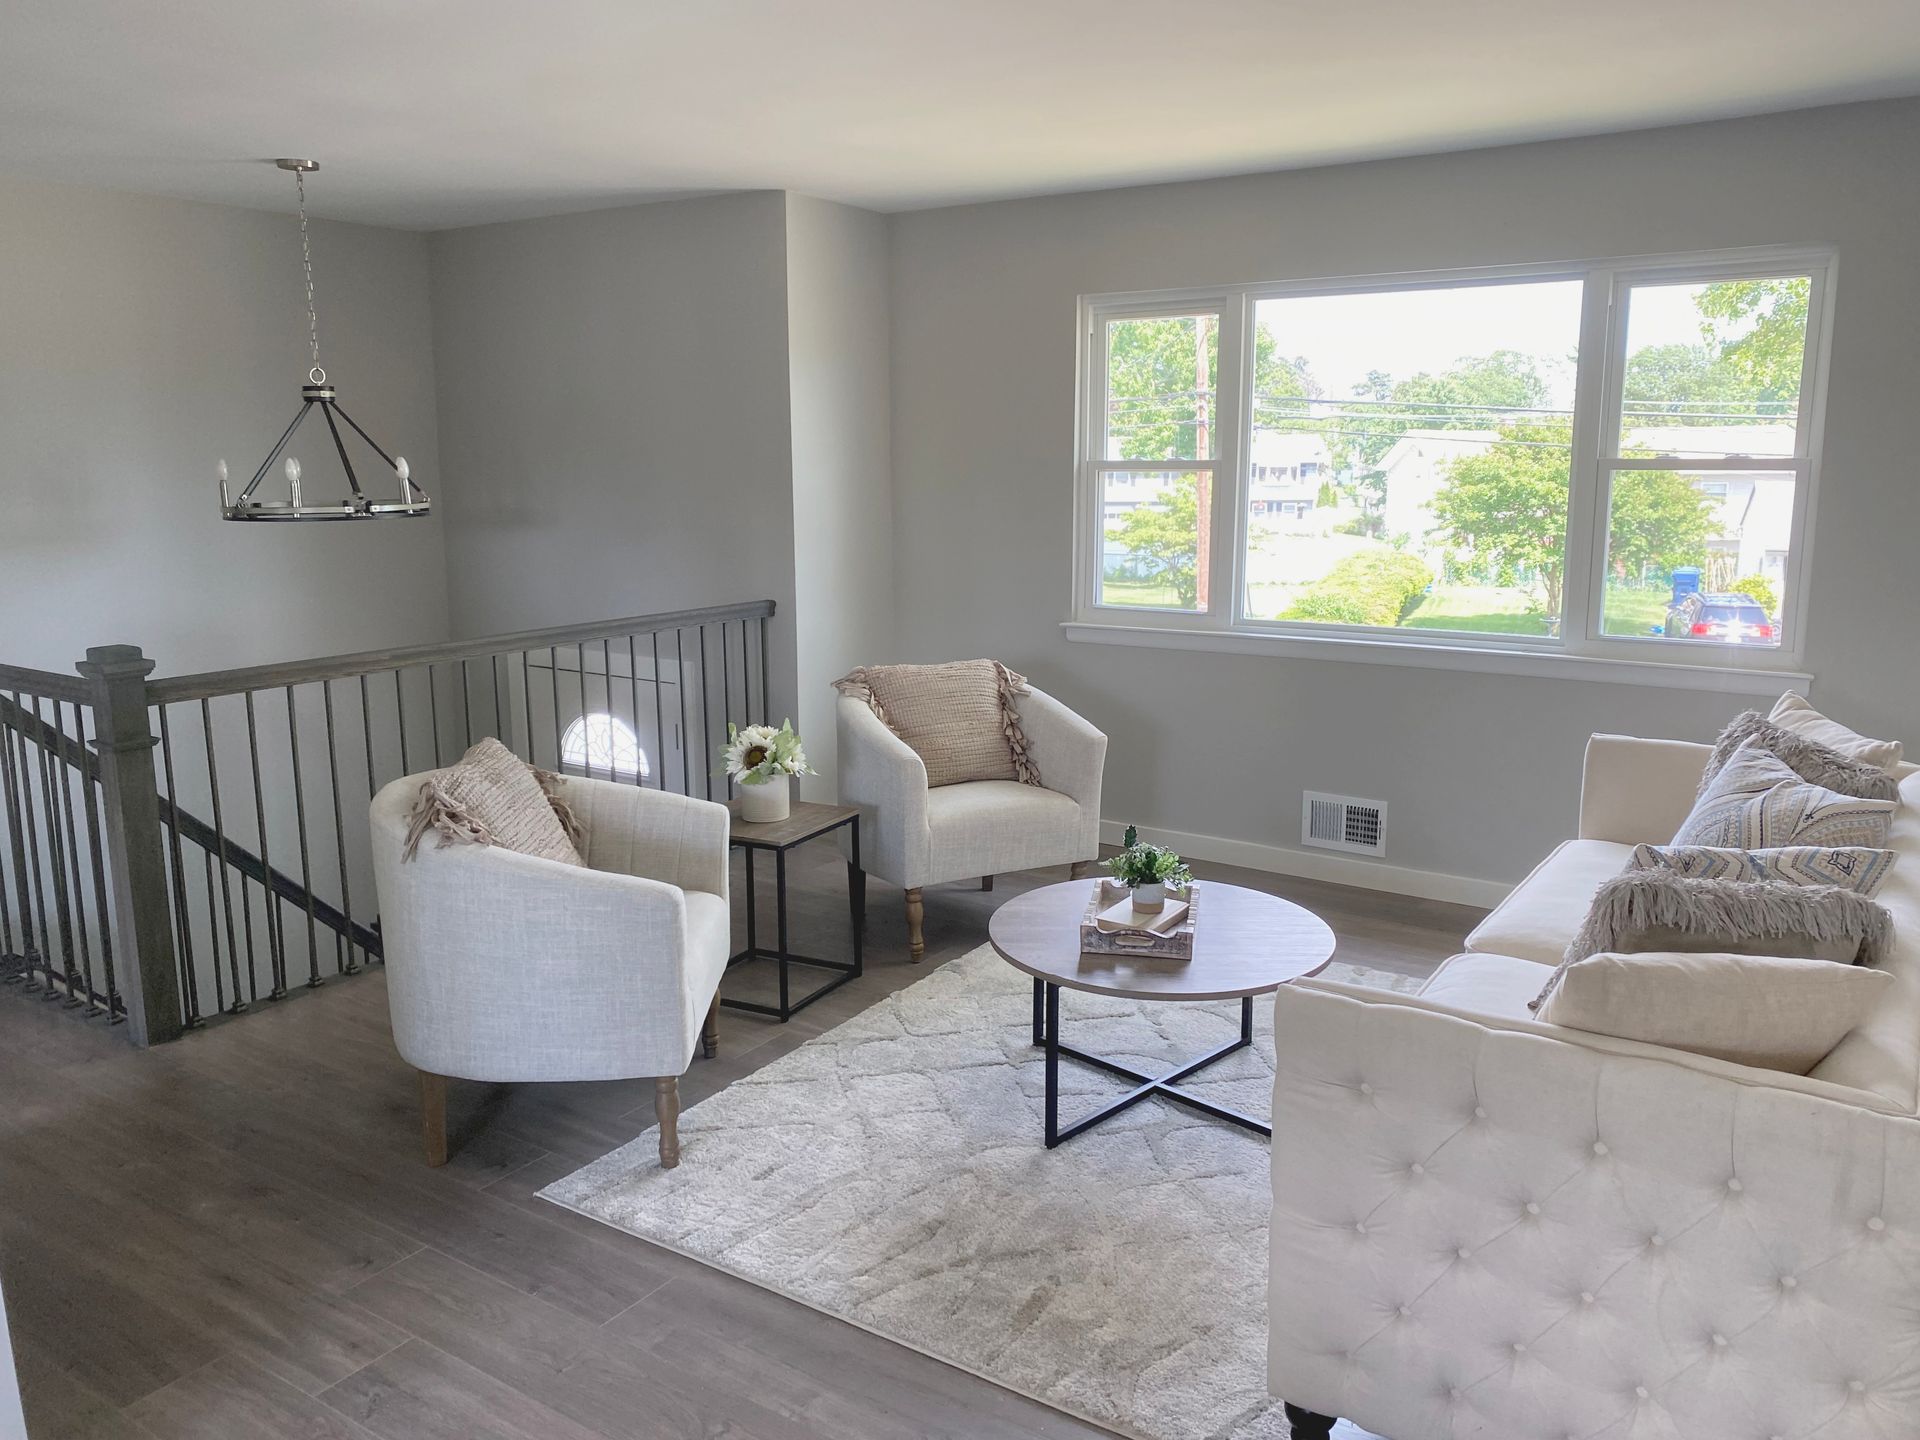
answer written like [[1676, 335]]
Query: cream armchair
[[915, 836], [505, 967]]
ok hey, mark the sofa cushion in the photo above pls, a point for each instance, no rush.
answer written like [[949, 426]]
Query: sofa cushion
[[959, 718], [1796, 714], [1539, 919], [1757, 802], [1772, 1011], [1499, 985], [990, 827]]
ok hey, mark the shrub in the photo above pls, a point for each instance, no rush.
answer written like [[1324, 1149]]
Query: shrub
[[1375, 587], [1759, 589]]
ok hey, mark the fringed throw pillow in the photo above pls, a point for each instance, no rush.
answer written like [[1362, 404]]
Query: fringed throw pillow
[[490, 796], [1852, 868], [1648, 910], [1813, 762], [959, 718], [1757, 802]]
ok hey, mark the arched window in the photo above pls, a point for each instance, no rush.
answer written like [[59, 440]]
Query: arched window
[[602, 744]]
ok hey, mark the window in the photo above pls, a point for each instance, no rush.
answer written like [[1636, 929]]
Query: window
[[598, 743], [1611, 460]]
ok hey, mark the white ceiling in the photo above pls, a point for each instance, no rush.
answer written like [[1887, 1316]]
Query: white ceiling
[[435, 113]]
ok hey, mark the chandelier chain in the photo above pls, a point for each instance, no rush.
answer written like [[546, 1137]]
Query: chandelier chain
[[306, 259]]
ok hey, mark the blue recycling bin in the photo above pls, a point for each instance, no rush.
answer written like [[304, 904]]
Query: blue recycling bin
[[1686, 581]]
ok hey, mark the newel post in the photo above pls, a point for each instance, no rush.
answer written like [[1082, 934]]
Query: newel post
[[142, 913]]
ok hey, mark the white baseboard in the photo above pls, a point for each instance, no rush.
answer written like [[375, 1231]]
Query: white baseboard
[[1314, 865]]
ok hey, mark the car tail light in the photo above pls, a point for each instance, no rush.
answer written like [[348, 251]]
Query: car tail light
[[1701, 627], [1765, 632]]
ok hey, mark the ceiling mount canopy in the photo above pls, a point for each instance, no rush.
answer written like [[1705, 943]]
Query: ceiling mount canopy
[[318, 394]]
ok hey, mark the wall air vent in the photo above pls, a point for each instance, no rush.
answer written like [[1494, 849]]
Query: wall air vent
[[1341, 822]]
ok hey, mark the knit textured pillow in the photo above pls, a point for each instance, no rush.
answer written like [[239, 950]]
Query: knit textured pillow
[[1813, 762], [1756, 802], [1849, 867], [1656, 910], [490, 796], [959, 718], [1795, 713]]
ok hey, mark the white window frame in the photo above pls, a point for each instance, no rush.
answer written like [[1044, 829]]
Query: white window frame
[[1580, 650]]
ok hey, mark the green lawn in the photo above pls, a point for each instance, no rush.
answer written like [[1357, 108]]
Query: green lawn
[[1139, 592], [1481, 609], [1634, 610]]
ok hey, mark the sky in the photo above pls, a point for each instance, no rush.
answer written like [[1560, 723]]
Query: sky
[[1404, 332]]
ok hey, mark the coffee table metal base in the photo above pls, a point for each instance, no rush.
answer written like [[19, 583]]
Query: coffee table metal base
[[1046, 1033]]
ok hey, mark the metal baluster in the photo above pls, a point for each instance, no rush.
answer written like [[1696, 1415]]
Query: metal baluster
[[90, 808], [213, 939], [314, 982], [680, 684], [226, 872], [493, 662], [16, 845], [276, 935], [659, 721], [633, 686], [56, 852], [433, 713], [706, 719], [182, 920], [466, 704], [553, 674], [726, 678], [366, 735], [526, 700], [339, 830], [64, 771], [766, 705], [606, 679], [31, 813], [400, 710]]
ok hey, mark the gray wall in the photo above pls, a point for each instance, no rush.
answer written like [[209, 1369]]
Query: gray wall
[[842, 491], [613, 400], [1480, 771], [140, 341]]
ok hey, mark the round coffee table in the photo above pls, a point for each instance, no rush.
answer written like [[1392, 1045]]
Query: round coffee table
[[1245, 943]]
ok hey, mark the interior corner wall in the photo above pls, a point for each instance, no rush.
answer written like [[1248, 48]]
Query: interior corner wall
[[613, 399], [1481, 771], [837, 349], [142, 340]]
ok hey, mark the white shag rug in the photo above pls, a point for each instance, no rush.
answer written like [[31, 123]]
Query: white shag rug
[[892, 1172]]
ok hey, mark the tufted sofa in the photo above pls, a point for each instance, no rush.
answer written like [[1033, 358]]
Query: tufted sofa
[[1488, 1226]]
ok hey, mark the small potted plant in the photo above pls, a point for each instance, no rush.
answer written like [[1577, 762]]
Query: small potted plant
[[762, 759], [1148, 871]]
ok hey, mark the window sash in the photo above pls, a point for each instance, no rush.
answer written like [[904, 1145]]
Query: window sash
[[1599, 386]]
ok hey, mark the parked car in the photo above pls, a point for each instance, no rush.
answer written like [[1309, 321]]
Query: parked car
[[1729, 619]]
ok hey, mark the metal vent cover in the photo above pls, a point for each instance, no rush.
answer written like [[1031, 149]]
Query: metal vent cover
[[1343, 822]]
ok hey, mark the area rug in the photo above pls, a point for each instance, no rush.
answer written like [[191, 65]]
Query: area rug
[[892, 1173]]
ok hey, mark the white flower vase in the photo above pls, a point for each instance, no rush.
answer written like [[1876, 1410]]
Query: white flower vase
[[766, 802], [1150, 895]]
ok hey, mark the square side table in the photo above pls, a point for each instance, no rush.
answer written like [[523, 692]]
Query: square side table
[[808, 821]]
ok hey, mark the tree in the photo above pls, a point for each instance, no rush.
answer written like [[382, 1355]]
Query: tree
[[1166, 537], [1676, 379], [1657, 520], [1760, 329], [1508, 504], [1470, 394]]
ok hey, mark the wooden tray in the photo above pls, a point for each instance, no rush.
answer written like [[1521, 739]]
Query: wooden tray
[[1175, 944]]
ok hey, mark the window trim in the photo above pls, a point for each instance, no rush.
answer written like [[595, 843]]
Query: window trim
[[1225, 625]]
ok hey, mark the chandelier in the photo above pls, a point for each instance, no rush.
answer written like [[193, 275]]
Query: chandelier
[[318, 394]]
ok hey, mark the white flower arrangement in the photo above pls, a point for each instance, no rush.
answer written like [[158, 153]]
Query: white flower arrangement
[[759, 753]]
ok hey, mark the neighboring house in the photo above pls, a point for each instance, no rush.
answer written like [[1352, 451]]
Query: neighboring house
[[1415, 470], [1285, 473]]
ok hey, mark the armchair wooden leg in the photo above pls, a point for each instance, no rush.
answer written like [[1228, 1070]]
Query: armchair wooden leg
[[1307, 1425], [666, 1109], [986, 882], [916, 912], [710, 1030], [433, 1116]]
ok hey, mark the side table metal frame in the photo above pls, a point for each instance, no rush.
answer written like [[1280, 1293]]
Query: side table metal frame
[[781, 954]]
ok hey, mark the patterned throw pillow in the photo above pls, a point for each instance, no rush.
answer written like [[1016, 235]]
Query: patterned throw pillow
[[1756, 802], [490, 796], [959, 718], [1813, 762], [1851, 868]]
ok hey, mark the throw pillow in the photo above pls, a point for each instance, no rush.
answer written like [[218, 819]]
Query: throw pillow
[[1795, 713], [1812, 761], [1655, 910], [1858, 870], [959, 718], [490, 796], [1756, 802], [1766, 1010]]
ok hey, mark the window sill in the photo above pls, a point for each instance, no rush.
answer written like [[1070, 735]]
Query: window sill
[[1478, 659]]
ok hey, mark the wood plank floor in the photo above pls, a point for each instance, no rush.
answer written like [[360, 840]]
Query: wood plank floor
[[235, 1235]]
